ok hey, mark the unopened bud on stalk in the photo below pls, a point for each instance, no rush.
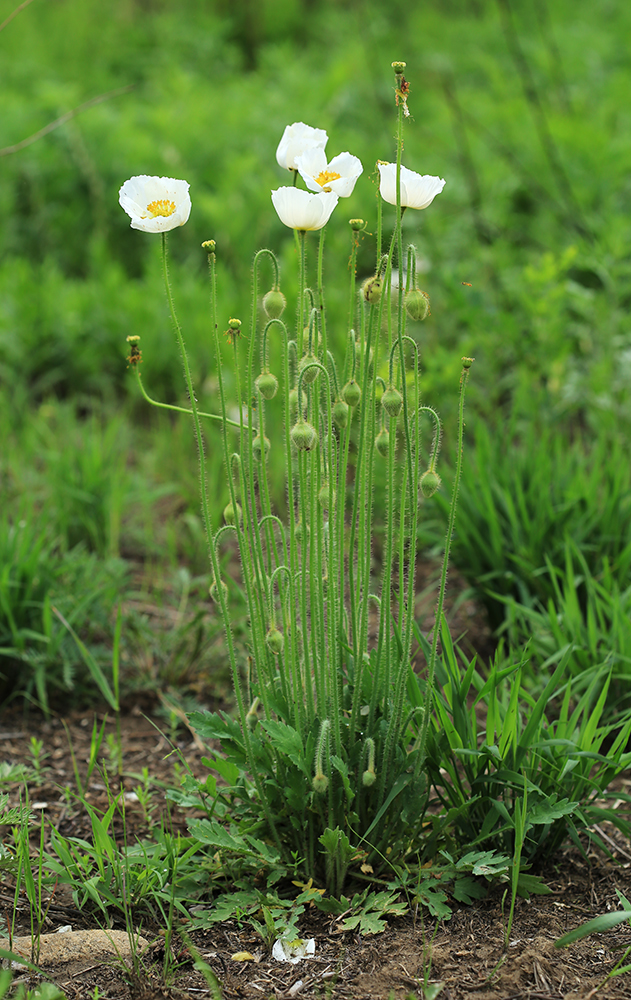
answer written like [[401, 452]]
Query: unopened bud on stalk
[[275, 640], [274, 303], [320, 783], [231, 514], [372, 289], [252, 717], [392, 401], [340, 414], [430, 482], [310, 374], [369, 777], [382, 442], [304, 436], [258, 445], [351, 393], [267, 385], [417, 304], [325, 496], [214, 591]]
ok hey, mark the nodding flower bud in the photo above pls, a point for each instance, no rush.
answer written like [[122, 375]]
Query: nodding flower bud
[[304, 436], [310, 374], [231, 514], [320, 783], [252, 717], [258, 445], [340, 414], [430, 482], [275, 640], [372, 289], [274, 303], [368, 778], [214, 591], [267, 385], [293, 402], [351, 393], [382, 442], [392, 401], [326, 496], [417, 304]]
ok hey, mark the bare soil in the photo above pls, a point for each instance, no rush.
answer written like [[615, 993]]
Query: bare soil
[[466, 953]]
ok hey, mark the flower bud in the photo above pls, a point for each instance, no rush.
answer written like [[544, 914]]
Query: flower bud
[[312, 373], [320, 783], [229, 513], [368, 778], [274, 303], [275, 640], [382, 442], [392, 401], [293, 402], [430, 482], [214, 592], [258, 445], [417, 304], [351, 393], [340, 414], [267, 385], [372, 289], [326, 496], [304, 436]]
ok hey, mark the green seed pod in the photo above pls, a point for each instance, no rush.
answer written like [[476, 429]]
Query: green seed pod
[[392, 401], [229, 514], [267, 385], [275, 640], [368, 778], [257, 447], [320, 783], [234, 324], [312, 373], [304, 436], [351, 393], [372, 289], [339, 414], [417, 304], [214, 592], [430, 482], [382, 442], [274, 303]]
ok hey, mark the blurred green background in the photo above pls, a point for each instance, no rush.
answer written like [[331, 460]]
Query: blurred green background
[[522, 105]]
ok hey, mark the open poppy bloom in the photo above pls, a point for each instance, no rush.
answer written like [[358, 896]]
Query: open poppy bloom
[[338, 176], [298, 138], [155, 204], [301, 210], [417, 190]]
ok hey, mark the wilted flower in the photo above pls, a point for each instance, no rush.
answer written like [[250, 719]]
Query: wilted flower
[[338, 176], [417, 190], [301, 210], [155, 204], [298, 138]]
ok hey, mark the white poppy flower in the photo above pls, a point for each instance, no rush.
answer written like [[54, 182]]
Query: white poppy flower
[[417, 190], [338, 176], [155, 204], [301, 210], [297, 138]]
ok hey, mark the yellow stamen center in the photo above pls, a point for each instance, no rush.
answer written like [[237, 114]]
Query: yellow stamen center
[[161, 207], [326, 177]]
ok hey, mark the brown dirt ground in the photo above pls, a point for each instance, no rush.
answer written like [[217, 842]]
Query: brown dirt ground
[[465, 953]]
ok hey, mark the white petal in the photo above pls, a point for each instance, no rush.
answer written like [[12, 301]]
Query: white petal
[[301, 210], [296, 139], [417, 190], [137, 193]]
